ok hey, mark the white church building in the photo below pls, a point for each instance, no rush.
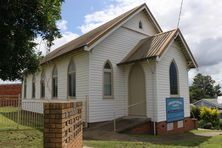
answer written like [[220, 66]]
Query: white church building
[[125, 67]]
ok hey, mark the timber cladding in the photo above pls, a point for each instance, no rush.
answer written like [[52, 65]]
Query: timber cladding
[[63, 125]]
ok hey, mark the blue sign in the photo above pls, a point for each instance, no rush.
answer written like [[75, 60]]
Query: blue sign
[[174, 109]]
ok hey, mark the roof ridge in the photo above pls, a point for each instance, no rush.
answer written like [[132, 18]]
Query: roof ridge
[[92, 36], [59, 49], [129, 11], [166, 32]]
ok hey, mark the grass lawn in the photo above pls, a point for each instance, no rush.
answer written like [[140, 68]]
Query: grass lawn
[[28, 137], [22, 138], [172, 141], [13, 135]]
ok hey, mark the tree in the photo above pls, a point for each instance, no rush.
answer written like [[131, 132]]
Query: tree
[[217, 90], [21, 21], [203, 87]]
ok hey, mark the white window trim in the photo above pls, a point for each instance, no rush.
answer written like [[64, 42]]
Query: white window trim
[[54, 76], [68, 73], [178, 84], [110, 71], [42, 80], [33, 88]]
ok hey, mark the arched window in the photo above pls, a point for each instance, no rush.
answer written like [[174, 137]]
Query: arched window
[[33, 86], [107, 80], [25, 87], [173, 79], [72, 79], [42, 85], [54, 83]]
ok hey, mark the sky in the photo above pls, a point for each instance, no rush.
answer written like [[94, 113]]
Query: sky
[[201, 25]]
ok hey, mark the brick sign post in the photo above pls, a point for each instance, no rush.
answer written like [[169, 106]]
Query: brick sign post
[[63, 125]]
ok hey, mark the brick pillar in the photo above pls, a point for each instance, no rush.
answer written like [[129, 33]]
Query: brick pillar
[[63, 125]]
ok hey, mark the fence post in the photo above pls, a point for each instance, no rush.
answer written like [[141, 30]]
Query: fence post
[[63, 125], [18, 110]]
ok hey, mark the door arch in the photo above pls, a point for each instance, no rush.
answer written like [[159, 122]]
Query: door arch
[[136, 91]]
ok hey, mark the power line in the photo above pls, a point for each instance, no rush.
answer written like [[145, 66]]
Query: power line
[[181, 7]]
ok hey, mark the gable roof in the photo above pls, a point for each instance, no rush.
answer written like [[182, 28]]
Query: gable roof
[[213, 102], [155, 46], [94, 35]]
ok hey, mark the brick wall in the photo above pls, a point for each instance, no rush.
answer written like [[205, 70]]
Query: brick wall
[[161, 127], [188, 124], [63, 125], [10, 89], [9, 94]]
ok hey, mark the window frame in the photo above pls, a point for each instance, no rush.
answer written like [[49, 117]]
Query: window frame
[[42, 80], [33, 87], [111, 72], [177, 74], [56, 78], [25, 88], [72, 73]]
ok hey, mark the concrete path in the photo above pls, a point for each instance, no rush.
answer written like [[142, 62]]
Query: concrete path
[[209, 134]]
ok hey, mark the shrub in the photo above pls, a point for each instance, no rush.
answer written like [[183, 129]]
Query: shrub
[[195, 112], [220, 123], [205, 125], [209, 115]]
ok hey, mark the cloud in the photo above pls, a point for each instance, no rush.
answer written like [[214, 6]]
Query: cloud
[[66, 37], [213, 70], [200, 24], [62, 25], [208, 51], [98, 18], [9, 82]]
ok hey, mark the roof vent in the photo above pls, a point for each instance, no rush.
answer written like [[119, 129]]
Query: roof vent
[[140, 25]]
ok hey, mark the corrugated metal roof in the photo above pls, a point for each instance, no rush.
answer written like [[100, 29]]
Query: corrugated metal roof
[[149, 47], [92, 36], [154, 46], [214, 102]]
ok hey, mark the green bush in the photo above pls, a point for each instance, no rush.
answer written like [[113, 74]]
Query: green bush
[[195, 112], [205, 125], [209, 115], [220, 124]]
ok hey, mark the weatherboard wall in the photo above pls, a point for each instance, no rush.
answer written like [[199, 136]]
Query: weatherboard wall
[[82, 76], [173, 52], [147, 27]]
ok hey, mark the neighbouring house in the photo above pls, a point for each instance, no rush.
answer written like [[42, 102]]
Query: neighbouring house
[[125, 67], [211, 103], [9, 94]]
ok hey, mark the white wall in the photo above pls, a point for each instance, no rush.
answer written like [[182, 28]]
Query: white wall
[[113, 48], [82, 76], [149, 71], [147, 25], [82, 66], [163, 83]]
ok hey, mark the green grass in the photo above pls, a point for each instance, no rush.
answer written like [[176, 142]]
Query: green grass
[[10, 118], [171, 141], [28, 137], [22, 138], [14, 135]]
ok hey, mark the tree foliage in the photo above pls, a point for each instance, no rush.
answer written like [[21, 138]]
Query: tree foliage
[[204, 87], [21, 21]]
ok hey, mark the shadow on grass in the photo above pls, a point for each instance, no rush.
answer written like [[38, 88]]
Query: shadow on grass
[[187, 139], [21, 118], [183, 139]]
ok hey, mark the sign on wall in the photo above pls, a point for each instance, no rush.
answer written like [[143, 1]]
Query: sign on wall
[[174, 109]]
